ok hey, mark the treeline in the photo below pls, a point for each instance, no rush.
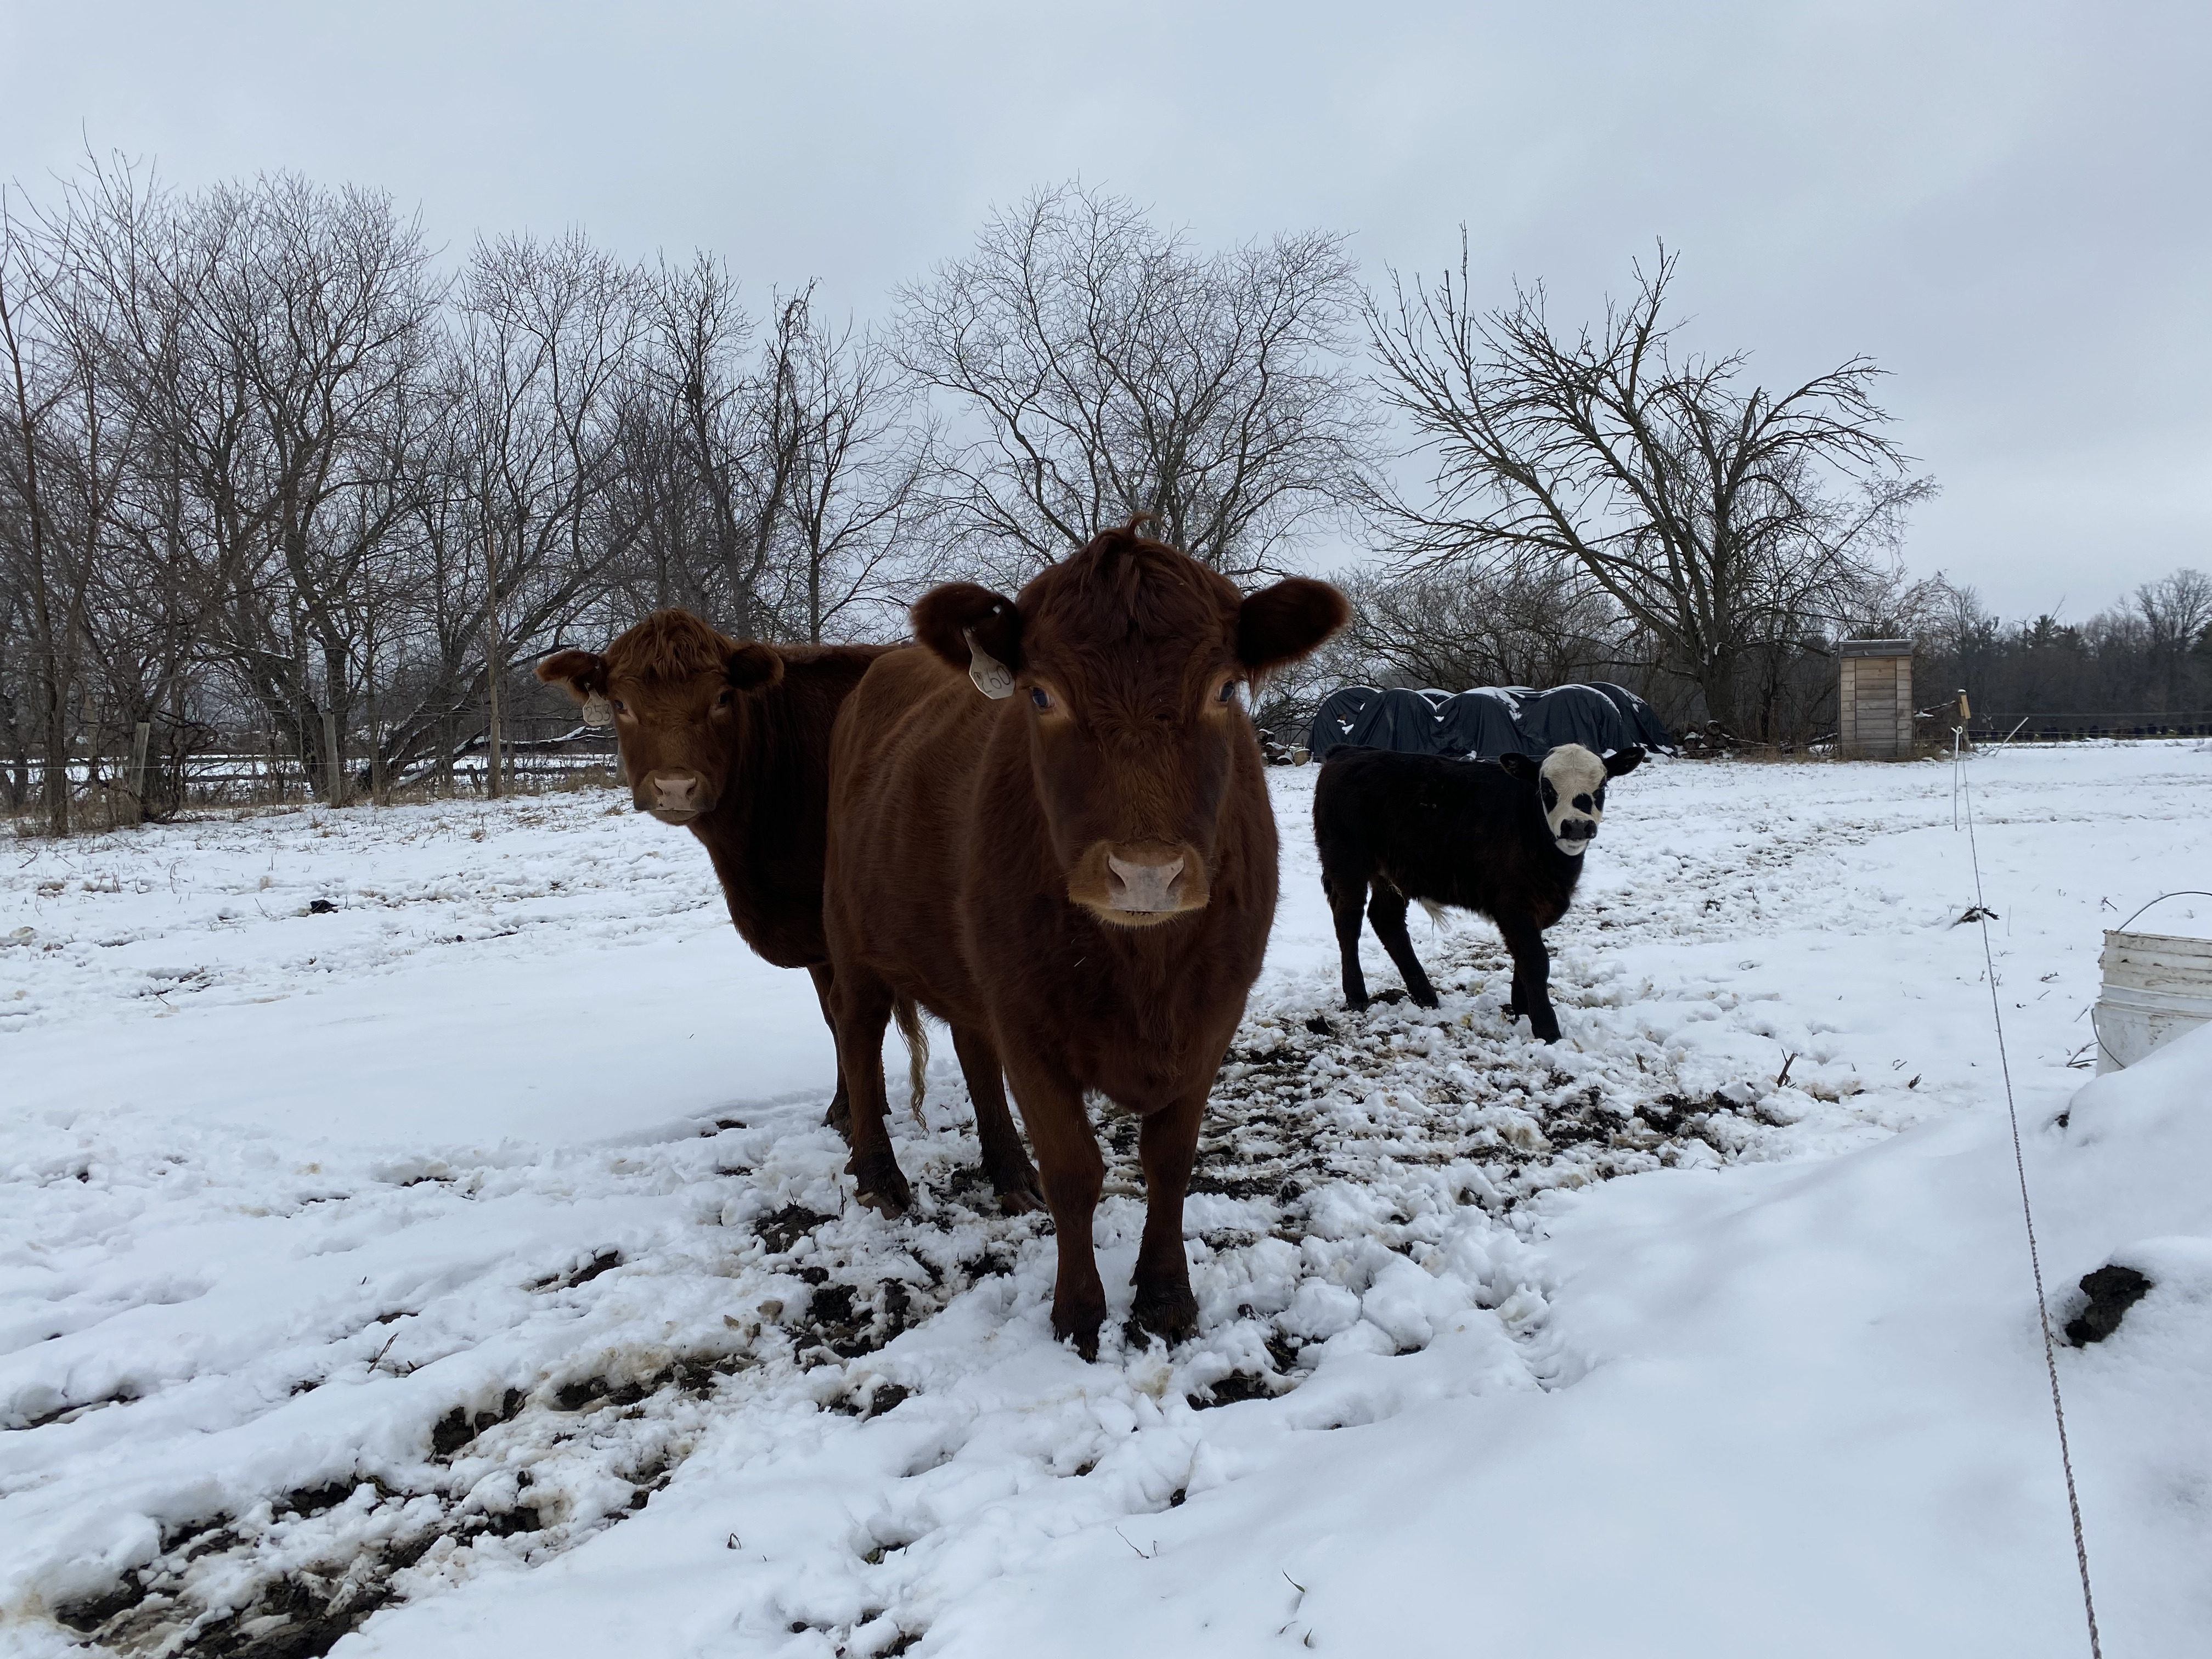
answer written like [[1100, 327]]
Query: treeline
[[262, 461], [2149, 654], [270, 464]]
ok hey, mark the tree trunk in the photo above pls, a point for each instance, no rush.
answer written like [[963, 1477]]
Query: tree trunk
[[495, 655], [377, 784], [57, 779], [1717, 680], [334, 758]]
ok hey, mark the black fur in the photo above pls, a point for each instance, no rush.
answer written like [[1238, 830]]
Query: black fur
[[1468, 833]]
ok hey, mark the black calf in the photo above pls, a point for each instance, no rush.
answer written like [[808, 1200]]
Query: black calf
[[1506, 839]]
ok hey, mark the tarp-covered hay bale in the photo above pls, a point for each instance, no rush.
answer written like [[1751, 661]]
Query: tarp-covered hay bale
[[1489, 721]]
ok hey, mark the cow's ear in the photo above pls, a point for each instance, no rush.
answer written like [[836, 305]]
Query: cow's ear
[[976, 630], [1527, 767], [580, 674], [753, 666], [1282, 623], [1622, 762]]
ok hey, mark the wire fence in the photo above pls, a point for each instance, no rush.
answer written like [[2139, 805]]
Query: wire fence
[[2078, 728], [112, 784]]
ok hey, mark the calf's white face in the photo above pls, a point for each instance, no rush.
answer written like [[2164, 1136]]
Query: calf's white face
[[1571, 785], [1570, 789]]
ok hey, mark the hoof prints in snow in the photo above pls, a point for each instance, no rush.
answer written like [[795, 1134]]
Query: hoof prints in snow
[[551, 1458], [299, 1571], [1361, 1190]]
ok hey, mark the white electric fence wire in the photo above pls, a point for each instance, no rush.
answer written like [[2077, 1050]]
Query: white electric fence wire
[[2034, 1257]]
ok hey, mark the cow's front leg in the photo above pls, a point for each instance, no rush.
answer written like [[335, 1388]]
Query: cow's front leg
[[1532, 974], [1166, 1145], [1074, 1173]]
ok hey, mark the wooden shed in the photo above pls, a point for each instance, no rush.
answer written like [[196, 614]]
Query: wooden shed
[[1873, 711]]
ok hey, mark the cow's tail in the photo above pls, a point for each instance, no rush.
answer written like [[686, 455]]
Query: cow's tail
[[917, 1054], [1436, 910]]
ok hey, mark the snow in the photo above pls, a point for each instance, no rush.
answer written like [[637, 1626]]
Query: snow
[[472, 1256]]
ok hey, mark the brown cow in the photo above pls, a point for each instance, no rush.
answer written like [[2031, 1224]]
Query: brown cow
[[1070, 861], [731, 738]]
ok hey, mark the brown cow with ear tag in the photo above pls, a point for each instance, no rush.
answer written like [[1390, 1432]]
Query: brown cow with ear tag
[[731, 739], [1051, 829]]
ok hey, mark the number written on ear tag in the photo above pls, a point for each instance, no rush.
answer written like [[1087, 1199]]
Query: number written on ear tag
[[992, 678], [597, 711]]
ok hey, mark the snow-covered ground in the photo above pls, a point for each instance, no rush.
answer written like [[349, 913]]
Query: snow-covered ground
[[462, 1268]]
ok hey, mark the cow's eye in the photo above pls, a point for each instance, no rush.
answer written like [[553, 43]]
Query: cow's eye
[[1040, 697], [621, 708], [1227, 692], [723, 700]]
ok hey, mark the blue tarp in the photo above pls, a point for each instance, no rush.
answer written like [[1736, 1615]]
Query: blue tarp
[[1488, 722]]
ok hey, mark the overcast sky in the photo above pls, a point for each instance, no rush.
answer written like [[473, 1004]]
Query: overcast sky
[[2006, 205]]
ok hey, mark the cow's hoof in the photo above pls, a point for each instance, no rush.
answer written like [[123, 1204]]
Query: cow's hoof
[[1169, 1314], [1355, 1005], [1084, 1337], [888, 1205], [1023, 1197], [839, 1118], [882, 1189], [1425, 997]]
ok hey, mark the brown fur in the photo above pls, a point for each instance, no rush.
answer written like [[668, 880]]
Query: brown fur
[[751, 724], [964, 872]]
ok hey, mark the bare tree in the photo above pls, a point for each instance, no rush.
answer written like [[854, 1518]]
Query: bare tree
[[713, 436], [1456, 631], [266, 337], [550, 331], [1103, 367], [2177, 616], [856, 490], [1719, 517], [70, 437], [49, 592]]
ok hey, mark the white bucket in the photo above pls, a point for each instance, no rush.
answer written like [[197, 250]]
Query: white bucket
[[2155, 988]]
